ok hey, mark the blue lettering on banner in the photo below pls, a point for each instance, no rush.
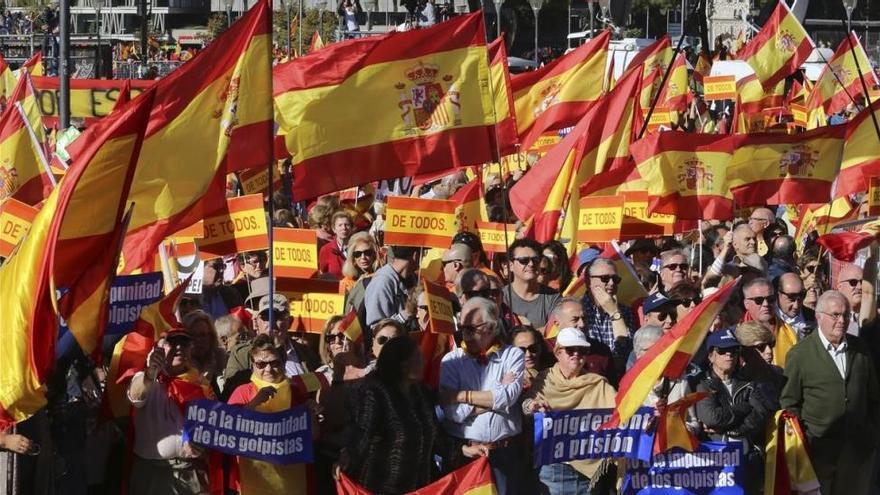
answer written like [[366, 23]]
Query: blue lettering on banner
[[571, 435], [129, 294], [280, 438], [715, 468]]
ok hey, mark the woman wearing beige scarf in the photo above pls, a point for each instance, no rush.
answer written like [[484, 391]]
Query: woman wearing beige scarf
[[566, 386]]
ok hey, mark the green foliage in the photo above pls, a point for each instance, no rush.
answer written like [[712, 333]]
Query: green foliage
[[313, 18], [639, 5], [217, 23]]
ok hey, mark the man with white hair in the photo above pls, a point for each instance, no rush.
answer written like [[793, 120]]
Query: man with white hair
[[857, 285], [480, 383], [832, 387]]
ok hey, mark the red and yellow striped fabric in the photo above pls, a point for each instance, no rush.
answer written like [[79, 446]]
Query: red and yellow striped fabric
[[7, 81], [674, 96], [210, 117], [772, 169], [630, 291], [703, 68], [828, 92], [23, 165], [668, 357], [779, 49], [502, 95], [671, 427], [558, 94], [651, 62], [15, 221], [861, 154], [473, 479], [686, 174], [351, 326], [426, 93], [599, 140]]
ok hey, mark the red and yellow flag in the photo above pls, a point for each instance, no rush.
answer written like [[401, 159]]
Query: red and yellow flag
[[473, 479], [471, 206], [703, 68], [7, 81], [502, 95], [651, 63], [672, 425], [210, 117], [630, 291], [787, 468], [15, 221], [828, 91], [599, 140], [558, 94], [669, 356], [861, 153], [771, 169], [779, 49], [351, 326], [674, 95], [426, 93], [33, 65], [316, 43], [686, 174], [23, 165]]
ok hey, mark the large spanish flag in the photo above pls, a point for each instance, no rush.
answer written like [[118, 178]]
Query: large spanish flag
[[686, 174], [424, 94], [828, 91], [779, 49], [651, 63], [674, 95], [599, 139], [558, 94], [772, 169], [505, 115], [212, 115], [669, 357], [23, 165], [7, 81], [861, 154], [472, 479]]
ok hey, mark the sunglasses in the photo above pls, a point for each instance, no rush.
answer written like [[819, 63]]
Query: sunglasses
[[331, 337], [837, 316], [576, 351], [690, 303], [853, 282], [369, 253], [525, 260], [484, 293], [677, 267], [755, 219], [276, 315], [179, 341], [795, 296], [761, 299], [607, 278], [472, 328], [382, 339], [422, 307], [275, 363], [664, 315], [446, 262], [534, 348], [763, 347], [727, 350]]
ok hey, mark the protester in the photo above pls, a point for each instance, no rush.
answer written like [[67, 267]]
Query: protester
[[217, 297], [481, 382], [569, 313], [756, 360], [319, 219], [253, 267], [791, 310], [642, 253], [782, 257], [674, 268], [207, 355], [759, 221], [383, 331], [525, 296], [560, 275], [332, 255], [660, 311], [564, 387], [832, 388], [386, 295], [687, 296], [536, 356], [858, 287], [607, 321], [455, 260], [335, 342], [361, 262]]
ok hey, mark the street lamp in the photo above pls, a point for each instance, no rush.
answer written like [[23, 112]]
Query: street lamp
[[99, 4], [320, 5], [228, 4], [536, 7], [372, 6], [299, 31], [498, 4], [849, 6], [287, 11]]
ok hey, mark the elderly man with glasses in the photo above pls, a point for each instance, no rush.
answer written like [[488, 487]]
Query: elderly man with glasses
[[674, 268], [525, 295], [760, 220], [480, 383], [832, 387], [858, 286], [606, 320]]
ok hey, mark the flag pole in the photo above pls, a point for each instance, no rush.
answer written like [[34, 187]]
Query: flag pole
[[663, 81], [837, 77], [270, 136], [852, 50]]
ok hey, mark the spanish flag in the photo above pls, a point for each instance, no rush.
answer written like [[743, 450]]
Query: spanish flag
[[861, 153], [426, 93], [672, 425], [779, 49], [23, 166], [316, 43], [669, 356], [351, 326], [33, 65], [597, 142], [471, 205], [703, 68], [558, 94], [502, 95], [7, 82], [828, 92], [845, 246], [473, 479], [686, 174], [651, 63], [771, 169], [787, 468], [210, 117], [674, 95]]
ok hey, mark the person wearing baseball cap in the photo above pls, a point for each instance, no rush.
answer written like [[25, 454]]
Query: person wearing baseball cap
[[564, 387], [660, 311], [735, 409]]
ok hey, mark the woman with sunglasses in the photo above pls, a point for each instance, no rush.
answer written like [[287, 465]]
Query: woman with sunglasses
[[756, 359], [361, 261], [687, 297], [561, 275], [537, 356], [567, 386], [342, 358], [269, 391]]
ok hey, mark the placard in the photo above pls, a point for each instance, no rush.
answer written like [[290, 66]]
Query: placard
[[493, 238], [719, 88], [638, 223], [129, 294], [256, 181], [312, 302], [874, 197], [89, 98], [15, 221], [715, 468], [441, 315], [599, 218], [419, 222], [295, 252], [239, 227]]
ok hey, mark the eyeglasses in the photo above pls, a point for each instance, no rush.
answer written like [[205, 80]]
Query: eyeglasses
[[179, 341], [756, 219], [276, 315], [254, 261], [607, 278], [533, 349], [764, 346], [369, 253], [727, 350], [837, 316], [382, 339], [690, 303], [576, 351], [677, 267], [794, 296], [525, 260], [446, 262], [853, 282], [275, 363], [473, 328], [759, 300], [484, 293], [331, 337]]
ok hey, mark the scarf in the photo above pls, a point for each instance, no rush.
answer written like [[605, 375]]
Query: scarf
[[186, 387], [482, 357], [586, 391], [282, 399]]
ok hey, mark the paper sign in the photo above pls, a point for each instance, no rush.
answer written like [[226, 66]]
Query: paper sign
[[638, 223], [128, 295], [493, 237], [719, 88], [89, 98], [600, 218], [312, 302], [874, 197], [15, 221], [659, 117], [295, 252], [419, 222], [255, 181], [239, 227], [441, 317]]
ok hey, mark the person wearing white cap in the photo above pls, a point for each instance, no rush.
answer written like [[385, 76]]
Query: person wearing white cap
[[566, 386]]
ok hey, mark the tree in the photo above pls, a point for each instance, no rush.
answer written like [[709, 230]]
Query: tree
[[217, 23]]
